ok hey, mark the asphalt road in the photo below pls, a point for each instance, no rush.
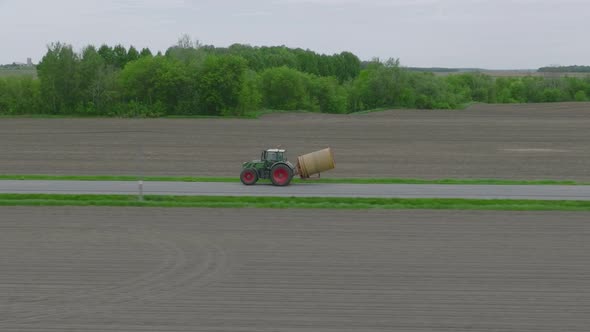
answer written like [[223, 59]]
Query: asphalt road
[[301, 190], [127, 269]]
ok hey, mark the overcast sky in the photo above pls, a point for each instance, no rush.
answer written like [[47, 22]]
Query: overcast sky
[[496, 34]]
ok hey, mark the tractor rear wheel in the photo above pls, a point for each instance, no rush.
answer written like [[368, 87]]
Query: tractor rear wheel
[[281, 175], [249, 176]]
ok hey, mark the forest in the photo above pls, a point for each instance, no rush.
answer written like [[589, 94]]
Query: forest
[[191, 79]]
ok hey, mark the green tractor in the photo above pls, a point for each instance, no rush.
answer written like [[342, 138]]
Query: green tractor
[[272, 165]]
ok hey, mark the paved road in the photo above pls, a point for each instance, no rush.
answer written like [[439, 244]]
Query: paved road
[[127, 269], [301, 190]]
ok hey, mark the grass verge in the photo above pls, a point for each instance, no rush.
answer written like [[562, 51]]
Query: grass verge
[[116, 178], [321, 180], [290, 202]]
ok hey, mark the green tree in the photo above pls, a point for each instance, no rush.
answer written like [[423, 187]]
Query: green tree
[[553, 95], [60, 79], [518, 91], [250, 97], [382, 85], [119, 56], [432, 92], [154, 86], [106, 52], [90, 68], [284, 88], [219, 83], [132, 54], [348, 66], [580, 96], [145, 52], [328, 94], [472, 87], [20, 95]]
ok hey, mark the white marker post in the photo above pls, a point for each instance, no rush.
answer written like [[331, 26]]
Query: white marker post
[[140, 165], [141, 190]]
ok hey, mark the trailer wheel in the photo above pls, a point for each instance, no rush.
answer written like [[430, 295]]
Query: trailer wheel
[[281, 175], [248, 176]]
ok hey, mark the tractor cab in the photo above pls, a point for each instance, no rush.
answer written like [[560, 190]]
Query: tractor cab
[[273, 155]]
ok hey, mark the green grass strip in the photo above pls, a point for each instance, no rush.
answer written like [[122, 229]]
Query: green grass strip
[[116, 178], [295, 180], [291, 202]]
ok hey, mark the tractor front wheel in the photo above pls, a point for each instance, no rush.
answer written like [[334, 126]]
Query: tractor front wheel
[[281, 175], [249, 176]]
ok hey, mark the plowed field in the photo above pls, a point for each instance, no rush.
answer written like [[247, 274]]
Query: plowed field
[[125, 269], [535, 141]]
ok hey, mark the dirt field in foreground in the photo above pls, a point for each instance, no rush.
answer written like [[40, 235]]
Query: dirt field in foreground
[[114, 269], [534, 141]]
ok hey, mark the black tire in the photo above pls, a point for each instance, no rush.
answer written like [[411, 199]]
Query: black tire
[[249, 176], [281, 175]]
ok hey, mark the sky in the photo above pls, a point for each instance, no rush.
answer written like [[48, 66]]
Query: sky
[[492, 34]]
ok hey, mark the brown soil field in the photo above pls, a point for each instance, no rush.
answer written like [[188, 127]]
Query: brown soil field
[[532, 141], [133, 269]]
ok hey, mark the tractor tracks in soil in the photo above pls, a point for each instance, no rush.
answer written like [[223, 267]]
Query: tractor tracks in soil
[[140, 269], [182, 264]]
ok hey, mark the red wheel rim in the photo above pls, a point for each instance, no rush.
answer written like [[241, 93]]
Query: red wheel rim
[[280, 176], [249, 176]]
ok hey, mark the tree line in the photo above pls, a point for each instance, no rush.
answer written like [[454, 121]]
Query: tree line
[[193, 79], [565, 69]]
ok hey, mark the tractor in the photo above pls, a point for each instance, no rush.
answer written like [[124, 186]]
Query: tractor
[[273, 165]]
